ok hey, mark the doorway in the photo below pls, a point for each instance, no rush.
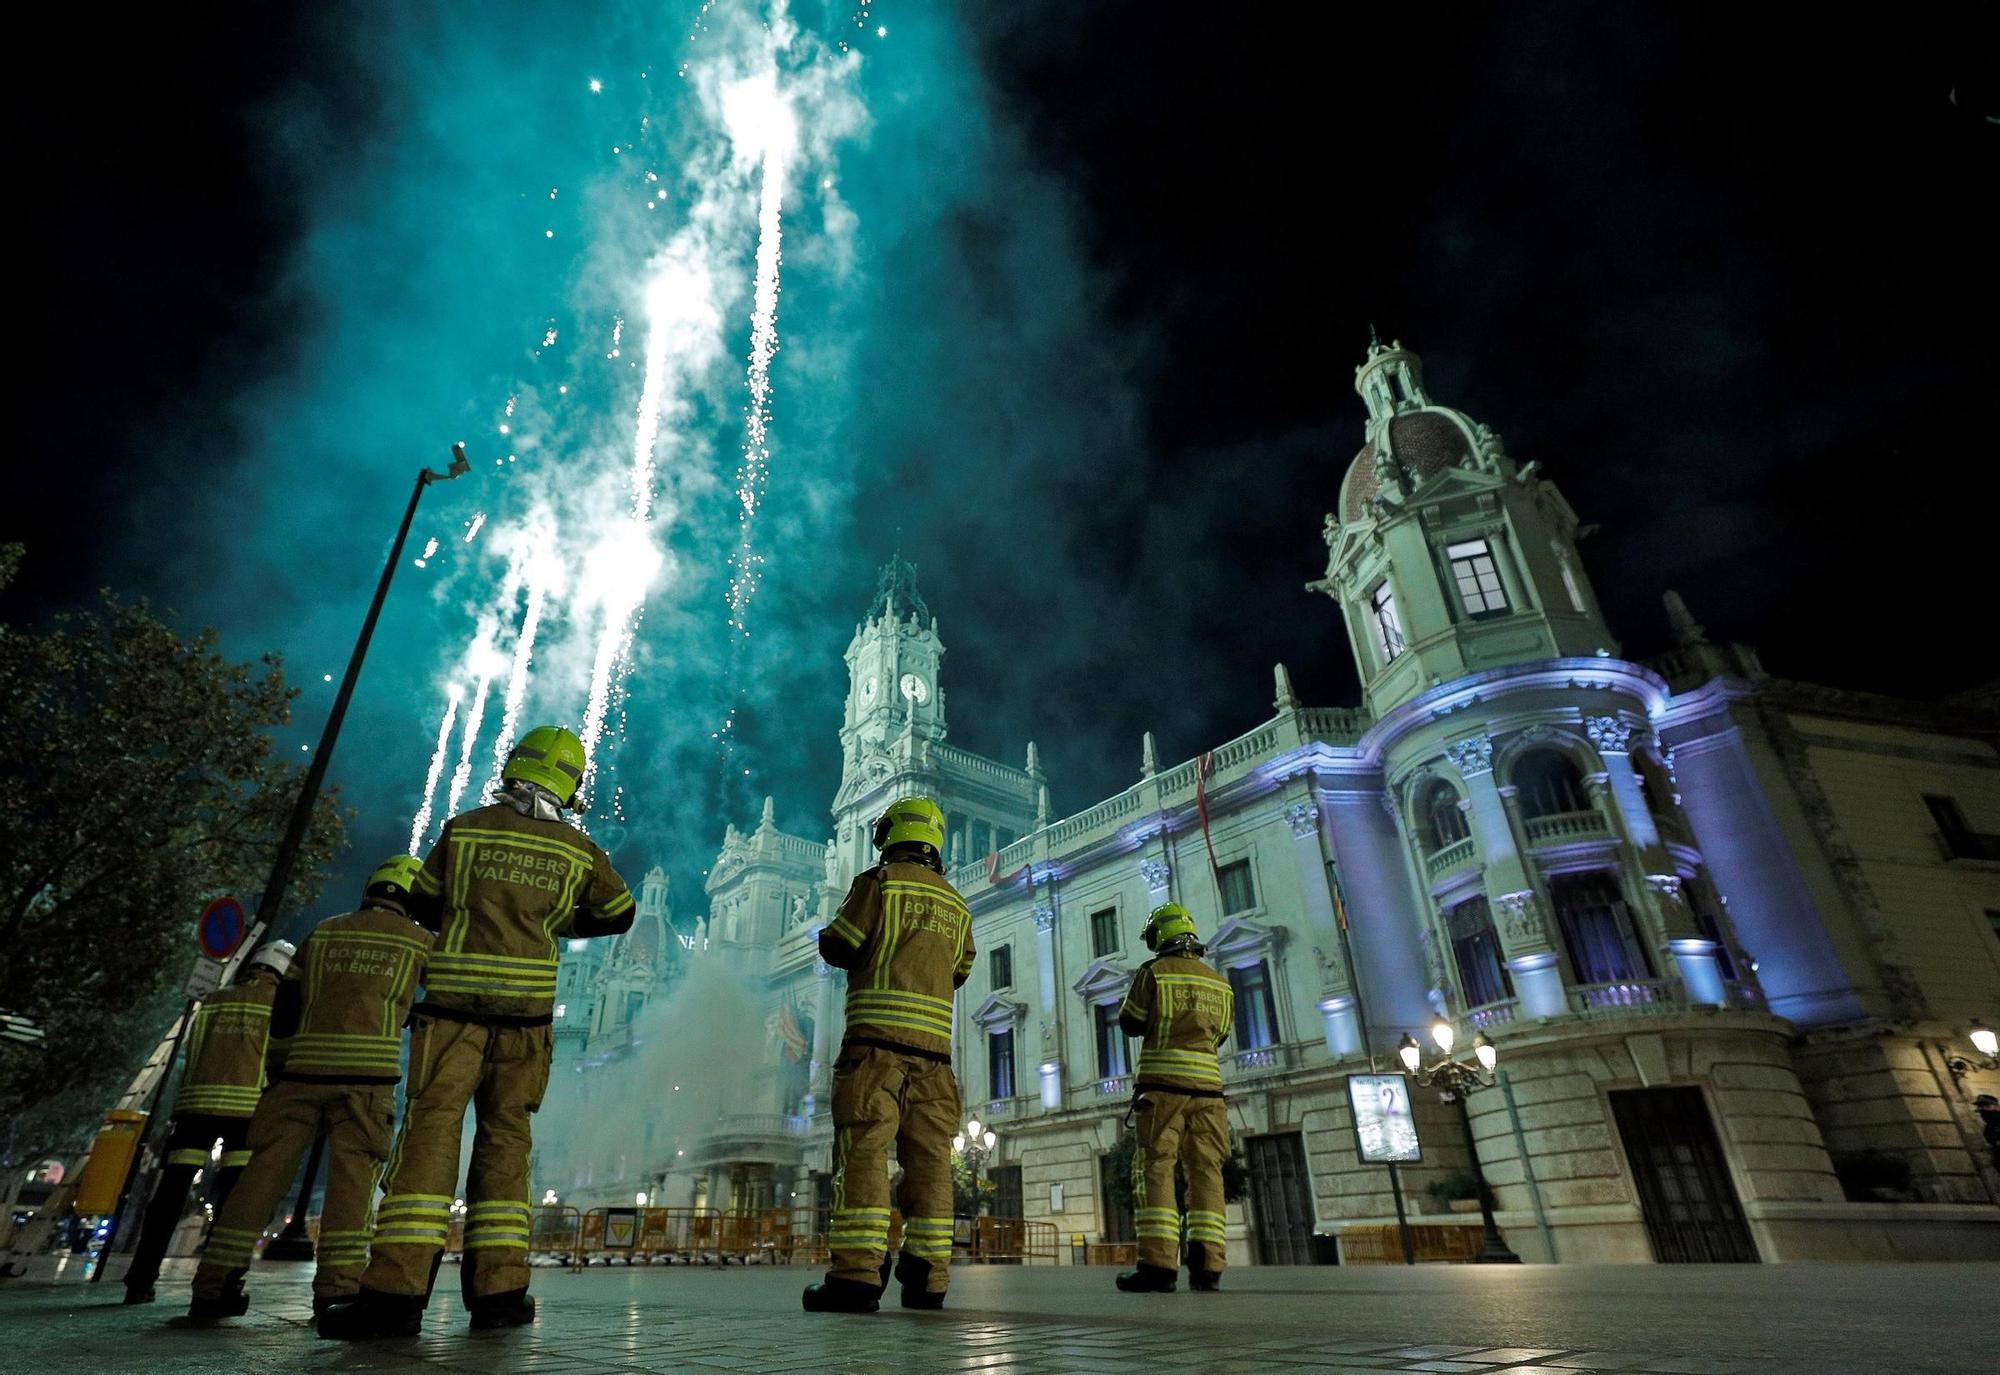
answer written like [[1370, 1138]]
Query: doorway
[[1685, 1193], [1281, 1199]]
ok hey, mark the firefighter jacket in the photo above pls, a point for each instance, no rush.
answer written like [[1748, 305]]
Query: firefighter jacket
[[340, 1013], [1184, 1009], [506, 887], [905, 939], [227, 1045]]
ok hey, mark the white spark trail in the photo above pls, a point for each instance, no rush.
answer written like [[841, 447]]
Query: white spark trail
[[463, 774], [422, 824], [537, 578], [754, 474]]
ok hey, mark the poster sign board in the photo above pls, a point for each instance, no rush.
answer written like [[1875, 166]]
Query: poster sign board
[[205, 978], [621, 1228], [1385, 1131]]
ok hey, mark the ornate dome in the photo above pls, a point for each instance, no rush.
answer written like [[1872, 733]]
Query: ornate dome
[[1425, 442]]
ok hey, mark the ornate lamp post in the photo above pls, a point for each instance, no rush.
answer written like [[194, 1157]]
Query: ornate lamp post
[[976, 1145], [1984, 1040], [1454, 1079]]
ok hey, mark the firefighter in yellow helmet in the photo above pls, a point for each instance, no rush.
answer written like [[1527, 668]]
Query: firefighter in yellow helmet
[[227, 1046], [509, 880], [339, 1016], [905, 939], [1183, 1009]]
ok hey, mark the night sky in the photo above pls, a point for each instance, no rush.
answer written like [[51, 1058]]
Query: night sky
[[1078, 326]]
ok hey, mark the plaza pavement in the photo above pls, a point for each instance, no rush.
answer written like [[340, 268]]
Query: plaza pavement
[[1456, 1320]]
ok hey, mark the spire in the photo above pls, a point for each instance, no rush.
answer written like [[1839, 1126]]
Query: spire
[[1687, 630], [1390, 379], [1034, 759], [1149, 757], [1287, 700], [769, 821], [896, 594]]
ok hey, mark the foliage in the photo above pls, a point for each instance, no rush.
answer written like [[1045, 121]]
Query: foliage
[[137, 781], [1871, 1176], [1235, 1174], [1452, 1185], [963, 1203]]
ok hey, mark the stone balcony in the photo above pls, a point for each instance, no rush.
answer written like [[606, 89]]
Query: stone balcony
[[1562, 827], [1607, 1001], [1448, 860], [771, 1137]]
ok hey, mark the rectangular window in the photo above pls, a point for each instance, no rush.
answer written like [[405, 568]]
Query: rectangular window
[[1000, 1063], [1239, 894], [1475, 950], [1478, 581], [1103, 932], [1000, 967], [1114, 1186], [1256, 1012], [1114, 1057], [1007, 1199], [1388, 627], [1597, 929]]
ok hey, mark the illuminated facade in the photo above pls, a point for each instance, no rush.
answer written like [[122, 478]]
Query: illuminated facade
[[1727, 931]]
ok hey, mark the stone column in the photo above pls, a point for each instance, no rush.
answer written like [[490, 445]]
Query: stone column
[[1613, 739], [1694, 953], [1518, 916], [1048, 1055], [1667, 910], [1341, 1025]]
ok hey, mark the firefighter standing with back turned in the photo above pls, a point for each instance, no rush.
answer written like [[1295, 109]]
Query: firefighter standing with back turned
[[510, 879], [226, 1049], [1184, 1010], [339, 1016], [905, 939]]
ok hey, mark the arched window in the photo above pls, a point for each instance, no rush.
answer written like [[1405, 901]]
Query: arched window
[[1549, 783], [1598, 929], [1439, 819], [1475, 949]]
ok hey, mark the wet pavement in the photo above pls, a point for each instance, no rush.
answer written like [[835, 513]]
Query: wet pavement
[[1451, 1320]]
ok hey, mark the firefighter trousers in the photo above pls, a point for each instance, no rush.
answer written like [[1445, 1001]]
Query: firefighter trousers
[[360, 1125], [883, 1096], [502, 1072], [1195, 1132], [189, 1150]]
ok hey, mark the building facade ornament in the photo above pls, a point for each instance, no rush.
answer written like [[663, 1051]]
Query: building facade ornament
[[1303, 818], [1472, 755], [1609, 734], [1521, 920], [1156, 872], [1666, 885], [1045, 915]]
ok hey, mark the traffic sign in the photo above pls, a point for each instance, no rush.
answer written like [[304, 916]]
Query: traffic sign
[[204, 979], [221, 928]]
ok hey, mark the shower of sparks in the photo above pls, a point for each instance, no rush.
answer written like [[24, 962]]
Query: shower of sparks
[[548, 341], [462, 775], [472, 526], [754, 473], [430, 548], [422, 824], [536, 577]]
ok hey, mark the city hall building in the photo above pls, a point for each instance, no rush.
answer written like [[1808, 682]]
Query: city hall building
[[1728, 932]]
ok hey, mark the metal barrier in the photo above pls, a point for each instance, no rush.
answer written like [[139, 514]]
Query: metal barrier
[[776, 1236], [1380, 1245], [556, 1232]]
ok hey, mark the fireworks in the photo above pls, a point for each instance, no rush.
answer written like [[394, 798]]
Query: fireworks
[[537, 573], [422, 824]]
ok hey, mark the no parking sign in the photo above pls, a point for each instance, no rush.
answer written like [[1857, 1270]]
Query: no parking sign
[[221, 928]]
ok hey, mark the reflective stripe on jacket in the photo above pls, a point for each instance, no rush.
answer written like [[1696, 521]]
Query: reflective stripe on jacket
[[509, 886], [1186, 1010], [225, 1050], [355, 979], [905, 938]]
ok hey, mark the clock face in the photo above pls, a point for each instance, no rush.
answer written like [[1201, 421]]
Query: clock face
[[916, 689], [868, 688]]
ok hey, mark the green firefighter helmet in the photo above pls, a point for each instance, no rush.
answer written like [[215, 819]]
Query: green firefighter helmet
[[549, 757], [1169, 921], [910, 820], [399, 873]]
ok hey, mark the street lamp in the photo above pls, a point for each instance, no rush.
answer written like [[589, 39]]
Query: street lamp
[[1454, 1079], [975, 1143], [1984, 1040]]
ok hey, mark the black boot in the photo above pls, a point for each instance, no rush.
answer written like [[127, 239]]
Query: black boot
[[511, 1309], [915, 1277], [370, 1314], [1148, 1279], [840, 1296], [138, 1293], [1201, 1278], [209, 1312]]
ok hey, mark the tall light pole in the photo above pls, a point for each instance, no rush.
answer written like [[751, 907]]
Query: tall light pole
[[293, 1243], [1454, 1079], [975, 1143]]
